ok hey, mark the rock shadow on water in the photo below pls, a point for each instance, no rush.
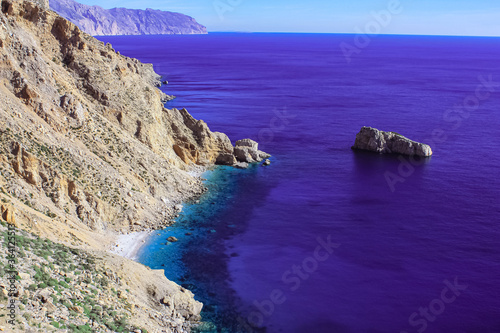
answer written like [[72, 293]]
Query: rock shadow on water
[[378, 173]]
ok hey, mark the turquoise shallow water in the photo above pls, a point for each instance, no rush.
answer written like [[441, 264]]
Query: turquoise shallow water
[[198, 261]]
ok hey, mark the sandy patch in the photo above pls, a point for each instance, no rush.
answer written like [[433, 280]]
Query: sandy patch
[[127, 245]]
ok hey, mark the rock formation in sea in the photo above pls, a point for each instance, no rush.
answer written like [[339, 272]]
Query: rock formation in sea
[[245, 151], [382, 142], [96, 20], [88, 151]]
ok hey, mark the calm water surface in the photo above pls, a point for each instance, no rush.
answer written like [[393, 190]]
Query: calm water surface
[[253, 237]]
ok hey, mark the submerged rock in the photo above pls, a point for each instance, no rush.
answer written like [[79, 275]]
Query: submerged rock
[[382, 142]]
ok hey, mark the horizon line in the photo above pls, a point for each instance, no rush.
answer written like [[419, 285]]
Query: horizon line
[[353, 33]]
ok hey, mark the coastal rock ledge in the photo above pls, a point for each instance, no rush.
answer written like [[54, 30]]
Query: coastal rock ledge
[[245, 151], [382, 142]]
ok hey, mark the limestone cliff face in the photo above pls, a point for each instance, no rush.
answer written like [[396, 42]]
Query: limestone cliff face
[[389, 143], [121, 21], [85, 129]]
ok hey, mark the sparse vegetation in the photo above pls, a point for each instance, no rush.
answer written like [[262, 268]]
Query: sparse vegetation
[[59, 272]]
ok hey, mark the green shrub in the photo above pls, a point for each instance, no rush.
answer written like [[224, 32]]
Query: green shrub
[[63, 284], [79, 329], [52, 282], [103, 282]]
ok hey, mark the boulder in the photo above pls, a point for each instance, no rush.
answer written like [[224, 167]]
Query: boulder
[[73, 108], [50, 307], [382, 142], [7, 213], [44, 295], [243, 155], [172, 239], [247, 151], [77, 309], [247, 143]]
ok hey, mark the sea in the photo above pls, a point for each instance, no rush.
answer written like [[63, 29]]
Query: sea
[[328, 239]]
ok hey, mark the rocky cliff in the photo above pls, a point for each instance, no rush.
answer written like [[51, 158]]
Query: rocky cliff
[[96, 20], [389, 143], [88, 151]]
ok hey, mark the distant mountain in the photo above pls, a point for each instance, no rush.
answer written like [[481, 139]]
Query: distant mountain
[[97, 21]]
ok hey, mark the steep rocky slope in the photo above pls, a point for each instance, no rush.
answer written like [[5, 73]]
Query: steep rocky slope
[[87, 149], [65, 289], [96, 20]]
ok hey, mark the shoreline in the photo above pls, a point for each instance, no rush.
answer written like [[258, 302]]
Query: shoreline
[[128, 245]]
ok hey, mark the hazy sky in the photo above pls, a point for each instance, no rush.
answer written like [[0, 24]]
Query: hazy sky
[[436, 17]]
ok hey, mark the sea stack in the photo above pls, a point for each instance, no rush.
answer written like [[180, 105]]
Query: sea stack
[[382, 142]]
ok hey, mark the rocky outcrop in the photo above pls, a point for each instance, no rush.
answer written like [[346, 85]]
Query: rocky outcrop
[[247, 151], [382, 142], [64, 192], [7, 213], [198, 144], [96, 20], [219, 149]]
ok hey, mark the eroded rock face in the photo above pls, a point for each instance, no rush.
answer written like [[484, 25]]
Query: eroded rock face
[[7, 213], [382, 142], [74, 109], [198, 144]]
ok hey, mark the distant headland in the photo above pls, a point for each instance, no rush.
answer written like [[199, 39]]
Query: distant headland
[[98, 21]]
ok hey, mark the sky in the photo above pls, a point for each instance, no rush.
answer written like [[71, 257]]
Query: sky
[[421, 17]]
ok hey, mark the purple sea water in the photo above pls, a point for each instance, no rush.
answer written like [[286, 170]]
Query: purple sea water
[[298, 96]]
